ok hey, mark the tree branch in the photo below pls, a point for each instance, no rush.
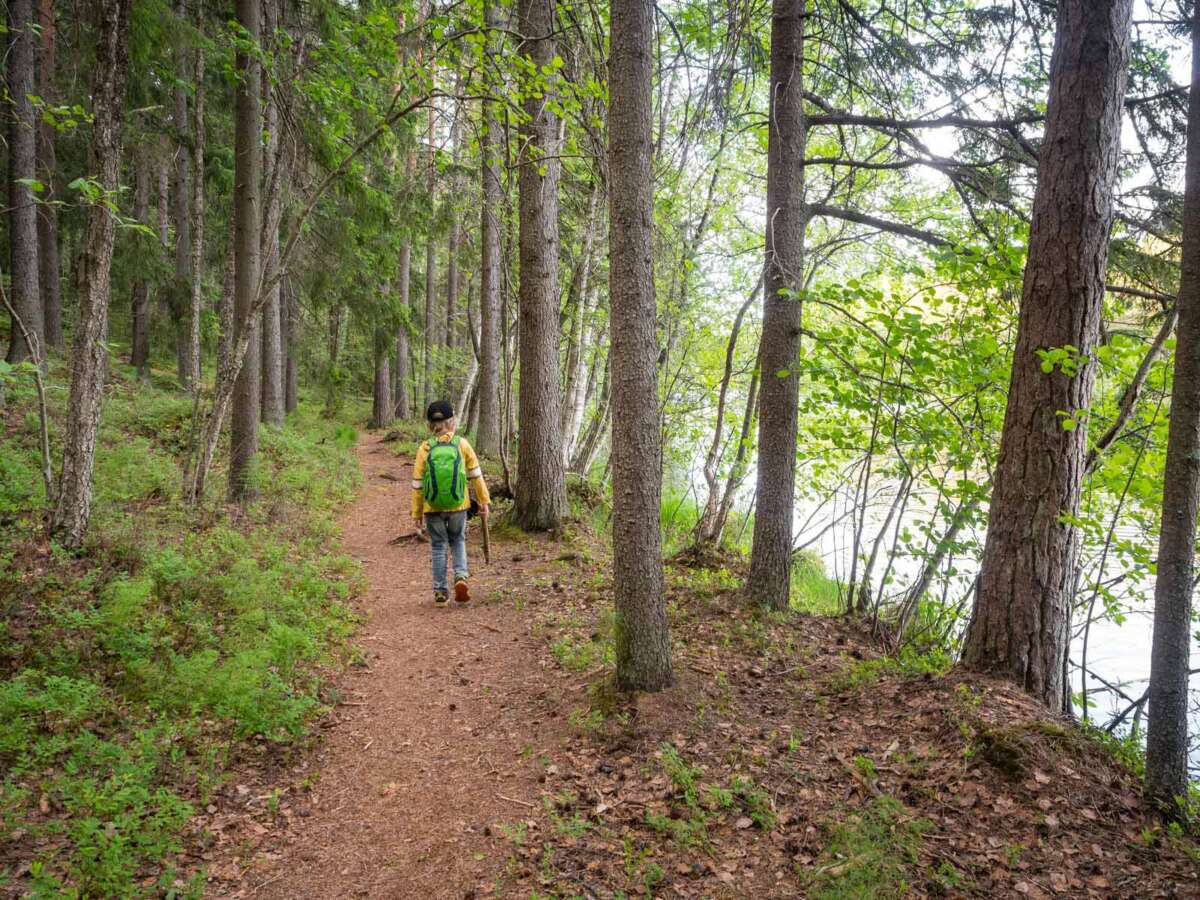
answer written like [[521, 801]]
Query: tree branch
[[850, 215]]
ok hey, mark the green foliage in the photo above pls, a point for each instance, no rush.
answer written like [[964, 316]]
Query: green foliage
[[178, 634], [812, 590]]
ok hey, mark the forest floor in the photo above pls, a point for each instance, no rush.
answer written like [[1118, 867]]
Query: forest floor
[[478, 751]]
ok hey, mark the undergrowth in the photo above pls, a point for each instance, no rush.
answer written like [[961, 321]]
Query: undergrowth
[[133, 672], [871, 854]]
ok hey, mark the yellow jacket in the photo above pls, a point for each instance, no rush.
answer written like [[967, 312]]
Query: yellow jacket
[[474, 475]]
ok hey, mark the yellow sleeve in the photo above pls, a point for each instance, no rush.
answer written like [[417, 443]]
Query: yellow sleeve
[[475, 473], [418, 498]]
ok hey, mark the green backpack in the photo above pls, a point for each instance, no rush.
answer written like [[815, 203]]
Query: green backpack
[[444, 483]]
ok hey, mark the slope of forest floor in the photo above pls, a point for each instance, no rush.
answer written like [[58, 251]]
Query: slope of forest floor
[[481, 752], [176, 646]]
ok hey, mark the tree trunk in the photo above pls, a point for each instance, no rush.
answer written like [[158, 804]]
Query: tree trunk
[[291, 319], [403, 350], [771, 553], [163, 208], [541, 501], [182, 196], [26, 294], [1167, 734], [382, 404], [403, 369], [89, 352], [196, 263], [643, 644], [487, 435], [48, 259], [139, 354], [589, 445], [271, 377], [706, 526], [467, 397], [429, 338], [248, 176], [1022, 614], [578, 296]]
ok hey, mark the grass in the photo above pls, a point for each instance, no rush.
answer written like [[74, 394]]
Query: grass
[[132, 673], [871, 854], [813, 591]]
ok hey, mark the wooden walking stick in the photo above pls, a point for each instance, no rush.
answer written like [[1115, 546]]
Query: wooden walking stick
[[487, 541]]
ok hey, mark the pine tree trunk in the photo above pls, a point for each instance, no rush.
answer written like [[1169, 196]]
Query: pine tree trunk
[[49, 281], [487, 436], [163, 208], [291, 319], [452, 291], [271, 377], [25, 294], [1167, 734], [403, 372], [382, 405], [429, 338], [403, 349], [771, 553], [541, 501], [643, 644], [139, 355], [196, 263], [182, 195], [247, 210], [1023, 603], [89, 355]]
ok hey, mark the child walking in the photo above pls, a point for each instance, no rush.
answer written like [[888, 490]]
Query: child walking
[[444, 465]]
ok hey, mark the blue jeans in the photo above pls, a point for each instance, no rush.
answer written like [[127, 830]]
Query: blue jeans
[[447, 529]]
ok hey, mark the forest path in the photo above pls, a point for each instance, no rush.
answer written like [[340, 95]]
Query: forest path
[[431, 740]]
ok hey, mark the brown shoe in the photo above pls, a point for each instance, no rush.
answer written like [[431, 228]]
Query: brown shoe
[[461, 592]]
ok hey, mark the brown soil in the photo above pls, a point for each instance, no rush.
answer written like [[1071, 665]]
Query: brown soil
[[469, 760], [430, 746]]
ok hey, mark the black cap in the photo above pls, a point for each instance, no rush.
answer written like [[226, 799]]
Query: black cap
[[439, 411]]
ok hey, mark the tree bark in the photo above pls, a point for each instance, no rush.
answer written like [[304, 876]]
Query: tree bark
[[182, 197], [89, 352], [771, 553], [642, 642], [403, 369], [247, 210], [26, 294], [487, 435], [1021, 620], [382, 405], [1167, 733], [196, 263], [541, 501], [429, 338], [271, 378], [291, 319], [589, 445], [49, 280], [139, 355], [578, 296]]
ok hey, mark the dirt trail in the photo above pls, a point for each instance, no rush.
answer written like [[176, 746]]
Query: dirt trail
[[427, 749]]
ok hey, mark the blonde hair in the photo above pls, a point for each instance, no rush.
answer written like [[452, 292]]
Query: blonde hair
[[443, 426]]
